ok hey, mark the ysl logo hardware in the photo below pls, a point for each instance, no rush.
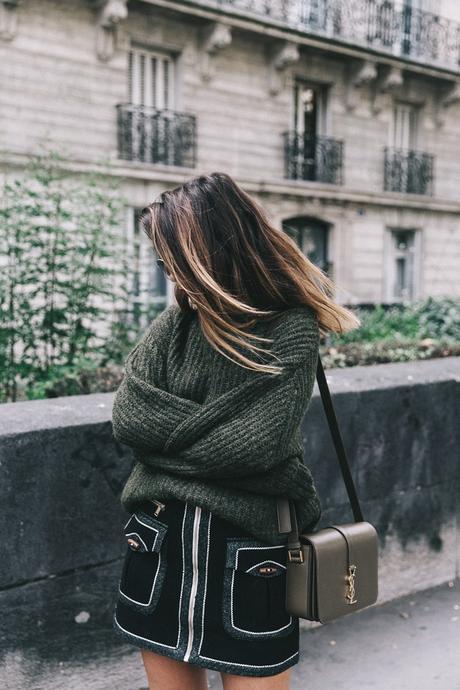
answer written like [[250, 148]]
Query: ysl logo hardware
[[351, 584]]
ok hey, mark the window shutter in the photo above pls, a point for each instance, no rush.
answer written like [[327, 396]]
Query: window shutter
[[150, 79]]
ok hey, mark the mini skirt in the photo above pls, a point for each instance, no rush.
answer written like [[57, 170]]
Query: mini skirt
[[199, 589]]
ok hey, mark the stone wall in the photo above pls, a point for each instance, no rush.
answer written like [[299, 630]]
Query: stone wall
[[61, 474]]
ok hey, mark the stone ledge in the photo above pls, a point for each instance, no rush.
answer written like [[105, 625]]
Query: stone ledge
[[62, 472], [78, 410]]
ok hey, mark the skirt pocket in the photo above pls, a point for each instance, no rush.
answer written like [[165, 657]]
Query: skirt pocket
[[145, 564], [254, 591]]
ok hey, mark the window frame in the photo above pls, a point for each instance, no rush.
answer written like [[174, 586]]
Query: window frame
[[322, 105], [140, 257], [414, 119], [140, 85], [294, 224], [389, 264]]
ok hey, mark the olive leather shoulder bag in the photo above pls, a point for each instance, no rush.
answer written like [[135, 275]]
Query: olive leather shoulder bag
[[333, 571]]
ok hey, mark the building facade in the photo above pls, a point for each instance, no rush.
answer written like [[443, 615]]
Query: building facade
[[342, 117]]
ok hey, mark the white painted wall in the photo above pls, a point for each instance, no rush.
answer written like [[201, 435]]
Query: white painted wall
[[447, 8]]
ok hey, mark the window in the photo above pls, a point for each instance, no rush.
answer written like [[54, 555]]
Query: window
[[151, 79], [407, 169], [312, 236], [420, 29], [147, 283], [402, 265], [313, 13], [150, 129], [309, 155], [309, 109], [404, 132]]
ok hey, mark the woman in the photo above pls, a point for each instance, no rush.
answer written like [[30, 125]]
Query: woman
[[213, 417]]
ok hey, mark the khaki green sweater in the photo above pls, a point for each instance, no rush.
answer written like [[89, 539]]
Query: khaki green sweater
[[206, 430]]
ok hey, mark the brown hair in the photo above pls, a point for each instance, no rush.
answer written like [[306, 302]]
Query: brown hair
[[224, 254]]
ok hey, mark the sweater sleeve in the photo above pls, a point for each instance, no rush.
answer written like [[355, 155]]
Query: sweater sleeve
[[247, 430], [144, 413]]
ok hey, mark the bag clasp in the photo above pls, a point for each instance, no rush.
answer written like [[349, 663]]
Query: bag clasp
[[295, 555]]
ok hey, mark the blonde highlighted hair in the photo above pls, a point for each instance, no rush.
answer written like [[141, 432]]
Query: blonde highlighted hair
[[224, 255]]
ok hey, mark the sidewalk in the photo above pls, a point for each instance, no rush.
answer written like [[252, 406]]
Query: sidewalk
[[409, 644]]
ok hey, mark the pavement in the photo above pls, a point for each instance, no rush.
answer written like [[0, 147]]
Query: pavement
[[412, 643]]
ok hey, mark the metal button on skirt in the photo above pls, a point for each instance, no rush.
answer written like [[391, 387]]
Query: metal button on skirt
[[201, 590]]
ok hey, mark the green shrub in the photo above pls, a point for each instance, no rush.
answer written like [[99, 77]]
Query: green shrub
[[61, 258], [419, 330], [428, 318]]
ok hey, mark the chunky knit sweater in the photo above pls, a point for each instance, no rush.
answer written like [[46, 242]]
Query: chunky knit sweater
[[206, 430]]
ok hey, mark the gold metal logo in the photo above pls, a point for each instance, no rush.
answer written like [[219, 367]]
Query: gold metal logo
[[351, 584]]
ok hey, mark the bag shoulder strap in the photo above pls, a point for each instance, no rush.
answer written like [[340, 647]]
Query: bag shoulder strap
[[286, 515]]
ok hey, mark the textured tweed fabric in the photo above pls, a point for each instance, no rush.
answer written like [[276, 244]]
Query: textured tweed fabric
[[206, 430]]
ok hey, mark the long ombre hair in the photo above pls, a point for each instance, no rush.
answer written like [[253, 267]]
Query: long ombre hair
[[224, 254]]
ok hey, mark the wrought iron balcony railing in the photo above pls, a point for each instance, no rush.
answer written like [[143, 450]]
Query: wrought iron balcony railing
[[388, 26], [156, 136], [409, 172], [314, 158]]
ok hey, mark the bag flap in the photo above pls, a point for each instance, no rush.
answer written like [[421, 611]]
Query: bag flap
[[144, 533], [251, 557], [339, 590]]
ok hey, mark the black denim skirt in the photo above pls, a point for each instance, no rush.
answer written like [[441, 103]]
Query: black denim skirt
[[201, 590]]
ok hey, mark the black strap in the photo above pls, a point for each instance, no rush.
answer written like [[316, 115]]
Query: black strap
[[338, 443], [287, 521]]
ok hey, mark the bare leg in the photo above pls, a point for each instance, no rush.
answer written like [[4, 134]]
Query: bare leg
[[164, 673], [281, 681]]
